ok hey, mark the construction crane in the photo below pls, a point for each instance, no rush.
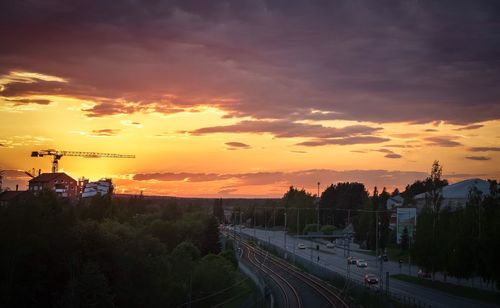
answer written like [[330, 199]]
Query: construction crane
[[57, 155]]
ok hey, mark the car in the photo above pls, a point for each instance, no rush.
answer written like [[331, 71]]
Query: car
[[301, 246], [361, 263], [423, 274], [371, 279], [351, 260], [330, 245]]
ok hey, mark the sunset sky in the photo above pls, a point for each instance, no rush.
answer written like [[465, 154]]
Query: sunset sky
[[245, 98]]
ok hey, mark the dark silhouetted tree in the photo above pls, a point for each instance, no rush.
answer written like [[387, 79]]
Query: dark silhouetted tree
[[405, 239], [218, 210], [211, 241]]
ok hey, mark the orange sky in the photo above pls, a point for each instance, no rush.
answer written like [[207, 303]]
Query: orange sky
[[248, 98], [175, 161]]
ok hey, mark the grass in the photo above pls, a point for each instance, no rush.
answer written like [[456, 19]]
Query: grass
[[395, 253], [468, 292]]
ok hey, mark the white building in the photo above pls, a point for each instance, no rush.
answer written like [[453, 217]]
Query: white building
[[394, 202], [456, 195], [101, 187]]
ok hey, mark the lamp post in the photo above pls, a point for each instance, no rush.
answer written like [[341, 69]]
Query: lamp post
[[284, 236], [317, 211]]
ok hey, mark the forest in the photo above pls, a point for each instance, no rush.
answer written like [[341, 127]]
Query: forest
[[106, 252]]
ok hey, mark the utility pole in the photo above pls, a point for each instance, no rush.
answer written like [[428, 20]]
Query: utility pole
[[254, 235], [297, 233], [298, 221], [318, 210], [284, 236], [234, 226], [274, 219], [376, 236], [241, 212]]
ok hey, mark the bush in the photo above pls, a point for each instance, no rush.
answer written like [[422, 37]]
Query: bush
[[311, 228], [327, 229]]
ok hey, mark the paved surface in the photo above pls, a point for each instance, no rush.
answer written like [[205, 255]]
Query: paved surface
[[335, 259]]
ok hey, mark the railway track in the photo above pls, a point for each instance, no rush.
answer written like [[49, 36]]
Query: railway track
[[289, 294], [319, 287]]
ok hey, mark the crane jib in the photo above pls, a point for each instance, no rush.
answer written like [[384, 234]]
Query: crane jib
[[59, 154]]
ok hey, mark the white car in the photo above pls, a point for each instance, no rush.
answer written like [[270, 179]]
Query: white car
[[361, 263], [330, 245], [301, 246]]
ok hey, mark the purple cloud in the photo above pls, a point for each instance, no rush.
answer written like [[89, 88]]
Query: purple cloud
[[302, 178], [20, 102], [344, 141], [237, 145], [287, 129], [442, 142], [393, 155], [273, 60], [469, 127], [107, 132], [485, 149], [481, 158]]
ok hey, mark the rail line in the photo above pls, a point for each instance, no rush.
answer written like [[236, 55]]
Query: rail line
[[327, 293], [280, 281]]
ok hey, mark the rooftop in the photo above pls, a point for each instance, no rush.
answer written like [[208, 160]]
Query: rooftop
[[47, 177], [461, 189]]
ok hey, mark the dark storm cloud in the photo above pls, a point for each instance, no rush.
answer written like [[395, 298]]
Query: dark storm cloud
[[382, 61], [480, 158]]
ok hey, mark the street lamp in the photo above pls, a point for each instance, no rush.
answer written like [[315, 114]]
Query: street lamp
[[317, 225], [284, 235]]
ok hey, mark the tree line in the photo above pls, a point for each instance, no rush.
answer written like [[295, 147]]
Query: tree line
[[460, 242], [107, 253]]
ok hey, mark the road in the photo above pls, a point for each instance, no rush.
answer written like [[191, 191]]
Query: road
[[292, 287], [335, 260]]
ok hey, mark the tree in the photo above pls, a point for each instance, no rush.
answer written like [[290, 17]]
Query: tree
[[218, 210], [434, 186], [298, 202], [433, 200], [411, 191], [337, 199], [405, 239], [211, 238], [384, 219]]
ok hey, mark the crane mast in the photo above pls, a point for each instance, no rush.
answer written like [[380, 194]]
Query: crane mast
[[57, 155]]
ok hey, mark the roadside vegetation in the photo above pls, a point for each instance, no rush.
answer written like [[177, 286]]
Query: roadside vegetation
[[464, 242], [463, 291]]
